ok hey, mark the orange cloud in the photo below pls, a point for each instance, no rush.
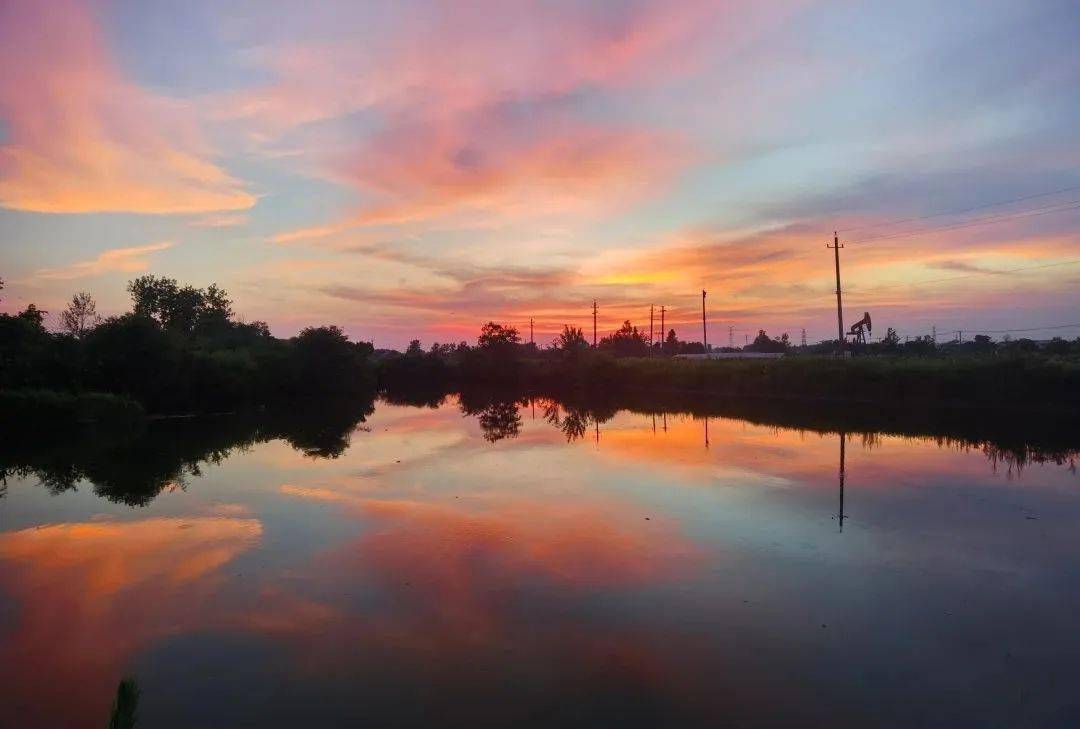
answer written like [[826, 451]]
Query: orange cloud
[[92, 594], [220, 221], [457, 587], [126, 260], [82, 138], [582, 545]]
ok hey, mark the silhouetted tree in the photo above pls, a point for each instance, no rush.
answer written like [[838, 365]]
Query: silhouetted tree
[[1022, 345], [1057, 345], [626, 341], [33, 316], [80, 316], [179, 308], [327, 360], [762, 343], [671, 343], [497, 350], [920, 346], [982, 343], [572, 340], [131, 355], [498, 337]]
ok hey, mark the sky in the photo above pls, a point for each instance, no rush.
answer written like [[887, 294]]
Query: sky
[[414, 169]]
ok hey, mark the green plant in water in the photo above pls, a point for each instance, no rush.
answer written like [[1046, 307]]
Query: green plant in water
[[125, 705]]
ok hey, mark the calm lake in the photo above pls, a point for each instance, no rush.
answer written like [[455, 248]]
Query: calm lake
[[525, 564]]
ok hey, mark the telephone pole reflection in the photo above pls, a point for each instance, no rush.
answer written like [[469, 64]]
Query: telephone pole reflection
[[843, 439]]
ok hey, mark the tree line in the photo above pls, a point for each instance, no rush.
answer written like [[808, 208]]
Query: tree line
[[182, 349], [179, 349]]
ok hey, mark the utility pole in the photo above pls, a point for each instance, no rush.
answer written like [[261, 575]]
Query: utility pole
[[651, 306], [839, 305], [804, 337], [959, 336], [933, 332], [663, 334], [531, 340], [746, 339], [731, 337], [704, 330], [594, 323]]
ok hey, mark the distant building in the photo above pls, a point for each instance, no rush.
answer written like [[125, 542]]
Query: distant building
[[732, 355]]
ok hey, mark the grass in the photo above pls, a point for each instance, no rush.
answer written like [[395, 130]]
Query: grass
[[29, 407], [1000, 381]]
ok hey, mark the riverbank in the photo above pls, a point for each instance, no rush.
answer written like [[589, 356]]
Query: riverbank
[[1021, 382], [27, 409]]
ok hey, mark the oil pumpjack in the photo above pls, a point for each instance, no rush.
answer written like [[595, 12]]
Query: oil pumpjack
[[860, 329]]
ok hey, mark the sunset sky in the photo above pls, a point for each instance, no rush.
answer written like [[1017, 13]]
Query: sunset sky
[[413, 169]]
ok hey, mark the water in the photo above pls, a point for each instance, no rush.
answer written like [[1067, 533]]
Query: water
[[526, 565]]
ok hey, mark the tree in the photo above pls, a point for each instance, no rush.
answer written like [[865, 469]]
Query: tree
[[763, 343], [982, 343], [33, 316], [626, 341], [152, 297], [671, 343], [923, 346], [179, 308], [216, 303], [498, 337], [571, 340], [328, 360], [1057, 345], [80, 316], [132, 355]]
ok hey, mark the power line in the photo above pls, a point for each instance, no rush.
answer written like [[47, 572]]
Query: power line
[[988, 220], [1028, 329], [960, 212]]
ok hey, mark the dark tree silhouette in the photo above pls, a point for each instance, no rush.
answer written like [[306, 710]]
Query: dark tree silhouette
[[626, 341], [500, 420], [762, 343], [498, 337], [80, 316], [571, 340]]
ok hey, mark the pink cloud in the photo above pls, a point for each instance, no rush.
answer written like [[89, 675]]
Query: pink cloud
[[475, 106], [84, 139], [126, 260]]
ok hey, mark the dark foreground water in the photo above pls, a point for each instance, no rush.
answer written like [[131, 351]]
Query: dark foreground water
[[527, 565]]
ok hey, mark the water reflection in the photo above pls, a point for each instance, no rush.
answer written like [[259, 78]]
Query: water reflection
[[1005, 442], [843, 443], [91, 594], [132, 466], [491, 559]]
